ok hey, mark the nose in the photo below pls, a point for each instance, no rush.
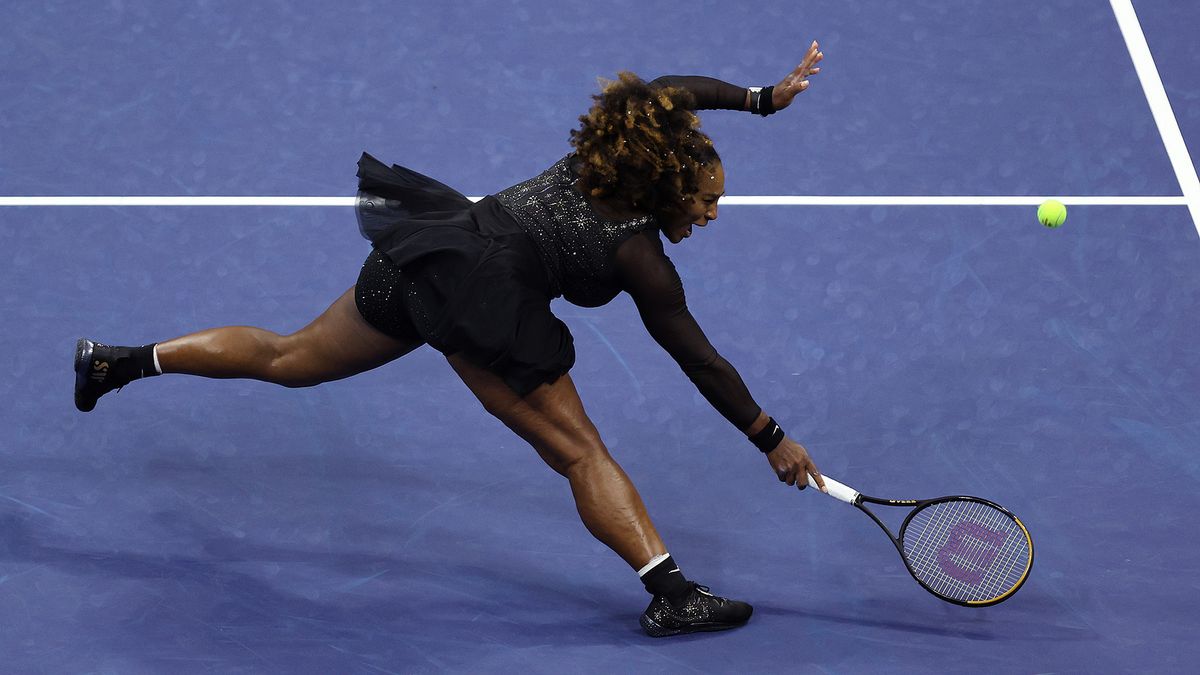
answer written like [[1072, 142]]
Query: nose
[[711, 214]]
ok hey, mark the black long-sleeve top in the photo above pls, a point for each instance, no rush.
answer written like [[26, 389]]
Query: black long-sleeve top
[[710, 93], [649, 277]]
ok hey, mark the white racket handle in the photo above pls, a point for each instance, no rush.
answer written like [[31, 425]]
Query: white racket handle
[[836, 490]]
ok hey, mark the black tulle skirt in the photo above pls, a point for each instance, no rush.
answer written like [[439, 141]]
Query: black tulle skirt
[[462, 277]]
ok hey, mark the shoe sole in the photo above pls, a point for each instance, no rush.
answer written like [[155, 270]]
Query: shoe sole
[[654, 630], [83, 360]]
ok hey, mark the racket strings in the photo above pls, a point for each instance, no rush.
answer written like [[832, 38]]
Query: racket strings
[[967, 550], [973, 561], [960, 551]]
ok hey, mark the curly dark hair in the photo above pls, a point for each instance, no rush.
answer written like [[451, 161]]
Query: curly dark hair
[[641, 146]]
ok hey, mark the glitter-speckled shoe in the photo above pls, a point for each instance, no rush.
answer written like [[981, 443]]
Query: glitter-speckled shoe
[[96, 373], [702, 611]]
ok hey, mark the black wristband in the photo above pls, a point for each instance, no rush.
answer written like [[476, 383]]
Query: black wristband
[[769, 437], [762, 102], [767, 101]]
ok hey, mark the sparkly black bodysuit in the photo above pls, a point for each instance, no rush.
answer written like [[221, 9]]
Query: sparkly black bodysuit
[[576, 245], [581, 256]]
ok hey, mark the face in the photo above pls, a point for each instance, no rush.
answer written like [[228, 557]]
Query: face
[[702, 207]]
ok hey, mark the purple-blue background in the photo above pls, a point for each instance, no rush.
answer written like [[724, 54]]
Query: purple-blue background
[[387, 524]]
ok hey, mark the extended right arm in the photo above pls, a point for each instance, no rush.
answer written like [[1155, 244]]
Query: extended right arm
[[651, 280]]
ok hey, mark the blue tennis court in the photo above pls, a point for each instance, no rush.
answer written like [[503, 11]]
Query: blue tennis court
[[387, 523]]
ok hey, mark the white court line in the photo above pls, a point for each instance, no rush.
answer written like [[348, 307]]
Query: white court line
[[750, 200], [176, 201], [1139, 51], [1160, 105], [982, 200]]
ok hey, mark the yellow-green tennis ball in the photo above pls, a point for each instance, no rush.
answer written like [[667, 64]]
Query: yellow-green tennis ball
[[1052, 213]]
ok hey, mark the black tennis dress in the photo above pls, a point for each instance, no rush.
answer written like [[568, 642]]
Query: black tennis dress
[[476, 279]]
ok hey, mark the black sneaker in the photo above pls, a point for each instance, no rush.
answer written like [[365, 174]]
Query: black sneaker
[[701, 611], [95, 373]]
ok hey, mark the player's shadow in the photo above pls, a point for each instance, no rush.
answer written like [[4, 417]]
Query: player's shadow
[[941, 624], [931, 628]]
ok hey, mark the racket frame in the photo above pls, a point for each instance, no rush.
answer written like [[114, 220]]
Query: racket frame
[[847, 494]]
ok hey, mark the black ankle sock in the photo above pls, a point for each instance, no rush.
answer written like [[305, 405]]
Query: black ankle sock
[[144, 358], [133, 363], [666, 579]]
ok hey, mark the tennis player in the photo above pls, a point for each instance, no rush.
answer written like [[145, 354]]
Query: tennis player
[[475, 281]]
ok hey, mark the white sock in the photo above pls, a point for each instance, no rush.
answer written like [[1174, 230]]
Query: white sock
[[653, 561], [157, 368]]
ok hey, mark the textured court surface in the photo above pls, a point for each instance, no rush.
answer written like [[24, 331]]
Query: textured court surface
[[387, 524]]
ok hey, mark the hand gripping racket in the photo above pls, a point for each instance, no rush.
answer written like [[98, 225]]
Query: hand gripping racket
[[964, 550]]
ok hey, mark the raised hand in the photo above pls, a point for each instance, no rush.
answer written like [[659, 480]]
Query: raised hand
[[797, 80]]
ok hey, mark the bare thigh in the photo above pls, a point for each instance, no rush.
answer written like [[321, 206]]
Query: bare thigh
[[337, 344]]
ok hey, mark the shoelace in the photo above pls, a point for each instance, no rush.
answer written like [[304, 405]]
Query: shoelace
[[705, 591]]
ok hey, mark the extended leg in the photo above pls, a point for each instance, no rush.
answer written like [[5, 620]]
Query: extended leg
[[336, 345], [552, 420]]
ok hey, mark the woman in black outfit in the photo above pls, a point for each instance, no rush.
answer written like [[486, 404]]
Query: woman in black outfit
[[475, 282]]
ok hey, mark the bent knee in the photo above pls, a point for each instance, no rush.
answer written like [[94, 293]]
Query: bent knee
[[575, 458]]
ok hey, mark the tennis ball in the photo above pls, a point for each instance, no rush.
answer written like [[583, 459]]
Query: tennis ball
[[1052, 213]]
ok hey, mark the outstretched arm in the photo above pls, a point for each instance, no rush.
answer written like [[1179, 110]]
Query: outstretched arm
[[714, 94], [651, 280], [710, 93]]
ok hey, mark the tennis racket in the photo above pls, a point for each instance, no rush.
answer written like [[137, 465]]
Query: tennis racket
[[964, 550]]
